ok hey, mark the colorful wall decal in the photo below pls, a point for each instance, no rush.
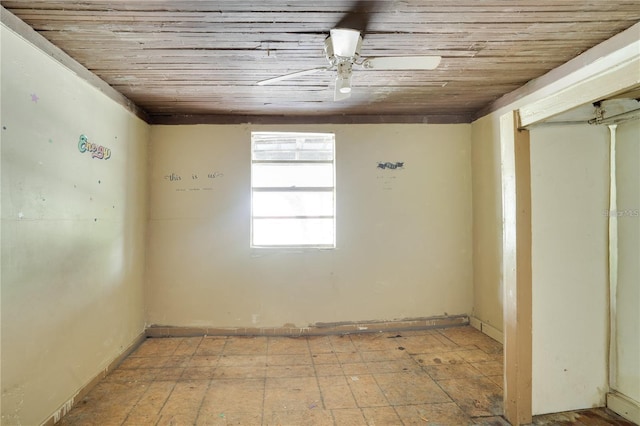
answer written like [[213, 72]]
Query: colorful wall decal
[[97, 151]]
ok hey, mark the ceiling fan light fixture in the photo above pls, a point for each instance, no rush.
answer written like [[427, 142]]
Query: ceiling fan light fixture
[[345, 41], [343, 80], [343, 84]]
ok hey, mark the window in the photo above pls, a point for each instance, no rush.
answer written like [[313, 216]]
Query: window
[[292, 189]]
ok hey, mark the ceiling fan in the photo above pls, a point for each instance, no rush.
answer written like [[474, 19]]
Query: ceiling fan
[[342, 49]]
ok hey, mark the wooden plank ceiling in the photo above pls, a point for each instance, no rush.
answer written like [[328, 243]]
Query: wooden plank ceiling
[[202, 59]]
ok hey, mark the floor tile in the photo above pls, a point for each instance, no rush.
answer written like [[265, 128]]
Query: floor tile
[[232, 372], [470, 336], [246, 346], [285, 399], [439, 358], [341, 343], [168, 374], [349, 357], [426, 344], [354, 369], [489, 421], [184, 401], [475, 355], [451, 371], [198, 373], [177, 419], [410, 388], [203, 361], [151, 401], [297, 359], [307, 417], [132, 375], [366, 391], [242, 361], [188, 346], [157, 346], [395, 366], [287, 345], [109, 402], [178, 361], [381, 416], [386, 355], [329, 370], [349, 417], [371, 342], [325, 358], [444, 414], [498, 380], [489, 368], [213, 418], [319, 344], [476, 396], [144, 362], [240, 396], [291, 371], [336, 392], [211, 346]]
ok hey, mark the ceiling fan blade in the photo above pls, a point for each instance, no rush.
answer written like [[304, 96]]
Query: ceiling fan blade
[[292, 75], [402, 63]]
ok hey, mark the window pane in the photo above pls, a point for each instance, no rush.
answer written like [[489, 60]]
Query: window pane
[[294, 147], [292, 232], [293, 203], [292, 175]]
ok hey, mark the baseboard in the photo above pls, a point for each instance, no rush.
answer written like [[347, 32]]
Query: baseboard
[[624, 406], [84, 390], [313, 330], [490, 331]]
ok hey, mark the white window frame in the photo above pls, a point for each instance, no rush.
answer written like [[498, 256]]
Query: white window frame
[[300, 136]]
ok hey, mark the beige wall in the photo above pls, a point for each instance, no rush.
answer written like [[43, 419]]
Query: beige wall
[[569, 194], [487, 222], [628, 287], [72, 232], [403, 236]]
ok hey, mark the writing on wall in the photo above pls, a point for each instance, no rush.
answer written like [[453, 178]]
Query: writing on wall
[[389, 165], [194, 181], [387, 174], [96, 151]]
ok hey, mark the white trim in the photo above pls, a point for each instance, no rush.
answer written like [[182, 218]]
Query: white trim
[[611, 81], [613, 259], [487, 329], [624, 406]]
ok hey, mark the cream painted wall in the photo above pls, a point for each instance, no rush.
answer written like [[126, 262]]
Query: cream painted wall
[[628, 289], [569, 194], [403, 236], [73, 231], [487, 222]]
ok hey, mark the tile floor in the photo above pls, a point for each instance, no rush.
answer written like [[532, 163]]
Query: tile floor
[[447, 376]]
